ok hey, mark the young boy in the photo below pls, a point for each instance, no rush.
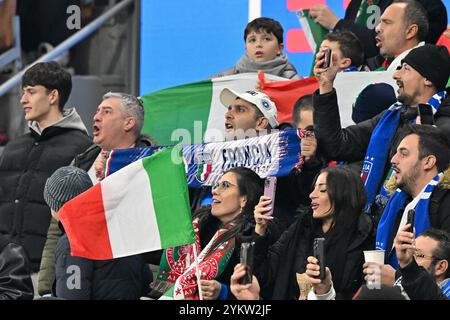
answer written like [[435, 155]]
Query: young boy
[[263, 51]]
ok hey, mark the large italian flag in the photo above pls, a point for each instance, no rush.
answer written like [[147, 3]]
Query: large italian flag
[[142, 207], [195, 108]]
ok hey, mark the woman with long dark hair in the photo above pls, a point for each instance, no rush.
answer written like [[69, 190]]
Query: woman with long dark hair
[[336, 202], [219, 230]]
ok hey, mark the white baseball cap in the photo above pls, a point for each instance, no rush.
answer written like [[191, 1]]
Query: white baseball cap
[[259, 99]]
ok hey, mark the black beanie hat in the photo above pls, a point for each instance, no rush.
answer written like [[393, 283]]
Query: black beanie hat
[[65, 184], [432, 62]]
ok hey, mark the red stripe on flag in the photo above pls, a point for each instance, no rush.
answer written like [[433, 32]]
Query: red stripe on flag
[[294, 5], [345, 3], [296, 41], [286, 93], [85, 224]]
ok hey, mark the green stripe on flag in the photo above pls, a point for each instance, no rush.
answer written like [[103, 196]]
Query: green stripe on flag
[[314, 32], [176, 107], [170, 199]]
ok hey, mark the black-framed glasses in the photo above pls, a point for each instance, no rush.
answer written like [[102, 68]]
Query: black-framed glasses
[[421, 256], [224, 185]]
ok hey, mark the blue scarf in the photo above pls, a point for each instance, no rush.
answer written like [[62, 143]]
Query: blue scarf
[[393, 208], [378, 149], [274, 154], [446, 288]]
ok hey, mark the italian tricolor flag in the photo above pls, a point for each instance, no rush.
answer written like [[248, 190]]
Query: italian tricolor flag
[[196, 108], [142, 207]]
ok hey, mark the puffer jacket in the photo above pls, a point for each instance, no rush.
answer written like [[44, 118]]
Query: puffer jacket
[[25, 165]]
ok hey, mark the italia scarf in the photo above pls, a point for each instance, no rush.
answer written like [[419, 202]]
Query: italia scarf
[[269, 155], [393, 208], [177, 277], [380, 142]]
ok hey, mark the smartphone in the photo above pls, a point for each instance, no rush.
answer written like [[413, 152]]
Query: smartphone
[[319, 254], [327, 58], [410, 220], [270, 186], [246, 258], [426, 114]]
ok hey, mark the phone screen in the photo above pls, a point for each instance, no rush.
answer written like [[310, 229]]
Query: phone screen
[[410, 219], [319, 254], [426, 114], [246, 258], [270, 186], [327, 58]]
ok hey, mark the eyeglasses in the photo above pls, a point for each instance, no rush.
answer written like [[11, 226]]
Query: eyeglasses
[[224, 185], [419, 255]]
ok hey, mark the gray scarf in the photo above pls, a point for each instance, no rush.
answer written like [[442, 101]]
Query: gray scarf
[[279, 66]]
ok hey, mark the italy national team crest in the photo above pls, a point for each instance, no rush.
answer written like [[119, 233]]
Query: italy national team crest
[[366, 169], [203, 171]]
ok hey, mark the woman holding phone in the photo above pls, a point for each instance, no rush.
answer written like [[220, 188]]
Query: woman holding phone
[[219, 228], [336, 215]]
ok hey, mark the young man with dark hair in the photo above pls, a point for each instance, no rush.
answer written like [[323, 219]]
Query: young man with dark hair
[[55, 137], [263, 51], [420, 183]]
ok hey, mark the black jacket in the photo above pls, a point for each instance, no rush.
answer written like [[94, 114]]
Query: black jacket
[[277, 265], [418, 283], [437, 16], [77, 278], [15, 272], [25, 165]]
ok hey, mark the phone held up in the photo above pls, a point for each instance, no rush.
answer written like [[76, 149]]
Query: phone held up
[[319, 254], [270, 186], [426, 114], [246, 259], [410, 220], [327, 58]]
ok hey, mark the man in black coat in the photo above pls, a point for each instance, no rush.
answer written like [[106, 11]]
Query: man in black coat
[[436, 12], [423, 75], [56, 136]]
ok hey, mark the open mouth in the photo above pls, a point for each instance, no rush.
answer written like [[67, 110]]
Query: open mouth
[[27, 109], [314, 206], [378, 42], [215, 201], [228, 126], [95, 130]]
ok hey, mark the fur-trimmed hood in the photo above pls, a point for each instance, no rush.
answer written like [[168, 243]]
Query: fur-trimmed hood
[[444, 182]]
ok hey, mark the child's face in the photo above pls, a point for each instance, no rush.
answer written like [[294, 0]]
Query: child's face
[[262, 46]]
